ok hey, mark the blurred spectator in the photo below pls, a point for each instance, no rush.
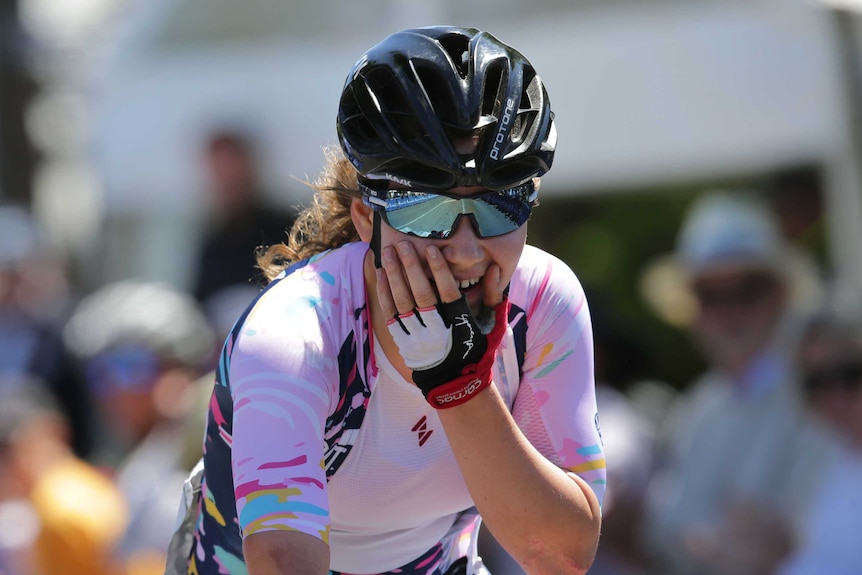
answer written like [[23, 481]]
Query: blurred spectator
[[240, 222], [58, 514], [33, 306], [629, 440], [796, 197], [742, 455], [830, 358], [628, 435], [143, 347]]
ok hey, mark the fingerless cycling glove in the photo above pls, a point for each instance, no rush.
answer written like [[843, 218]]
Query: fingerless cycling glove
[[450, 352]]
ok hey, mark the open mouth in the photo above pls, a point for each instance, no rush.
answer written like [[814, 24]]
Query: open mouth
[[469, 288], [465, 285]]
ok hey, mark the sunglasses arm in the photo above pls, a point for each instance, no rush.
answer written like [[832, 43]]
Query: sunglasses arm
[[375, 238]]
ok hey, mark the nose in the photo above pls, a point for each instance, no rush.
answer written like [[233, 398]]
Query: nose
[[463, 246]]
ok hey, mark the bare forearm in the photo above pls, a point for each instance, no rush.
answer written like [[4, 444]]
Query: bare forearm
[[546, 518]]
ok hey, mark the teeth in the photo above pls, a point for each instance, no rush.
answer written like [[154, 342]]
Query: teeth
[[464, 284]]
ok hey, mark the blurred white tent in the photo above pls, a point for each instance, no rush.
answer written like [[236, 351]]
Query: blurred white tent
[[645, 93]]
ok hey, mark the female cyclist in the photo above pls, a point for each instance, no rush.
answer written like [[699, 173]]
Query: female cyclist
[[413, 368]]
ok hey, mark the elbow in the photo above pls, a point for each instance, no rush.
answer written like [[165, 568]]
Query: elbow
[[573, 559], [579, 556], [556, 565], [562, 543], [578, 559], [578, 564]]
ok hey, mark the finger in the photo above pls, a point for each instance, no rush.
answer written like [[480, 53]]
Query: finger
[[384, 295], [417, 278], [492, 287], [398, 286], [447, 287]]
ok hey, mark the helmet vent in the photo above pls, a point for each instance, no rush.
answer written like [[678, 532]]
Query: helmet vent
[[437, 92], [517, 133], [457, 46], [354, 124], [493, 90], [531, 102], [384, 86], [531, 90], [395, 107]]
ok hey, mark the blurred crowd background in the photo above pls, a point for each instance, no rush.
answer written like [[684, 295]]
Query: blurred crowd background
[[707, 190]]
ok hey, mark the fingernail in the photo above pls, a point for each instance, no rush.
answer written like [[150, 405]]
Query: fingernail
[[388, 255], [432, 252], [404, 247]]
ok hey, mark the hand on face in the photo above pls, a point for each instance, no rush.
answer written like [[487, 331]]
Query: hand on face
[[450, 352], [403, 284]]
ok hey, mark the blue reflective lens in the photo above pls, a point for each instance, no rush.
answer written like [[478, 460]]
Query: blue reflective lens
[[435, 215]]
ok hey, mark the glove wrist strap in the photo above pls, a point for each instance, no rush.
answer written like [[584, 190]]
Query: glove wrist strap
[[446, 386], [457, 391]]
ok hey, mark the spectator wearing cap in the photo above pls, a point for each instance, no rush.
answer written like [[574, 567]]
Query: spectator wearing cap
[[741, 454], [143, 348]]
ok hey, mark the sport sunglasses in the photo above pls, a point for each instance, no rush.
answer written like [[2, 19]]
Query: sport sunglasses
[[435, 215]]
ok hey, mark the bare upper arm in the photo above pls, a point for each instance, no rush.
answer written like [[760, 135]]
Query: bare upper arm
[[285, 553]]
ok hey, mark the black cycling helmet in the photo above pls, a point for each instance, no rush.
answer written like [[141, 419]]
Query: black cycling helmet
[[412, 95]]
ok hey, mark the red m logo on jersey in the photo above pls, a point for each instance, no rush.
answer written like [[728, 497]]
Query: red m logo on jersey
[[421, 428]]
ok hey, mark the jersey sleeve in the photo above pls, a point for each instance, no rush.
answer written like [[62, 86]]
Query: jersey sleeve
[[281, 373], [555, 405]]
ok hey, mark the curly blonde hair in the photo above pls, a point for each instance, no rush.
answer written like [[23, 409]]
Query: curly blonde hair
[[324, 224]]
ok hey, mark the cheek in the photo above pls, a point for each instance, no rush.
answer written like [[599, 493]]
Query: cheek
[[506, 251], [391, 237]]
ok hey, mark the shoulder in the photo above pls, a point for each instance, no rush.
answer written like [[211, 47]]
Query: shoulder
[[542, 280], [537, 266], [331, 278], [325, 291], [338, 263]]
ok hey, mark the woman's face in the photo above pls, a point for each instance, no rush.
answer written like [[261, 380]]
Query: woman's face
[[481, 267]]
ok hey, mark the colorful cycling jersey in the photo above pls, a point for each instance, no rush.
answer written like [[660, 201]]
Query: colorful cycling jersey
[[311, 428]]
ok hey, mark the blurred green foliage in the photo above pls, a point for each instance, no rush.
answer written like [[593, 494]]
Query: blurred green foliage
[[609, 240]]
